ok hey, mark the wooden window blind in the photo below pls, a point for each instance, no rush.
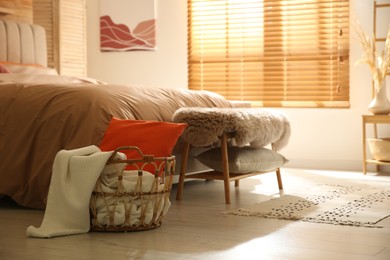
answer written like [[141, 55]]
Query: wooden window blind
[[65, 25], [270, 52]]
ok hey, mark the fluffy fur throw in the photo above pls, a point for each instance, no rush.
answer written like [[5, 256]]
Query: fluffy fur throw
[[254, 126]]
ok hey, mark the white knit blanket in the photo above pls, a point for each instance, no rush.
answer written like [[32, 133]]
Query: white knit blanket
[[75, 173], [254, 126]]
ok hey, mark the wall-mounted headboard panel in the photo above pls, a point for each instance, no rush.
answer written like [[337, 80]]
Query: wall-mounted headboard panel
[[22, 43]]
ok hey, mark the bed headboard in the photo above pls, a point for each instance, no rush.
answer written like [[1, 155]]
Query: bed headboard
[[22, 43]]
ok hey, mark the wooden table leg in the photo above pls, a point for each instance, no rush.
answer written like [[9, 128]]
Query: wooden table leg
[[377, 166], [364, 148]]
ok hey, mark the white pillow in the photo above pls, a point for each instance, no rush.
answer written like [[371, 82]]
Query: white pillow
[[243, 159]]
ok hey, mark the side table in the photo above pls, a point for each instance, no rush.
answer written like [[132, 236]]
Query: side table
[[372, 119]]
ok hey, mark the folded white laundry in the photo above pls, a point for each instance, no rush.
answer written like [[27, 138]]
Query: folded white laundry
[[109, 175], [140, 204], [116, 214], [131, 179]]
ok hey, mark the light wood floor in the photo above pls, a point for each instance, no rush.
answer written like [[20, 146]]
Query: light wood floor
[[194, 228]]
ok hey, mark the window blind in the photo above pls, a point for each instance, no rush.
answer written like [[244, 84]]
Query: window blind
[[65, 25], [272, 53]]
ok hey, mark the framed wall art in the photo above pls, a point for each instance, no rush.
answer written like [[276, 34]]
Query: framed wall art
[[127, 25]]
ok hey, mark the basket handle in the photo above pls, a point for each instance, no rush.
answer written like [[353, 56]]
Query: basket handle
[[128, 148]]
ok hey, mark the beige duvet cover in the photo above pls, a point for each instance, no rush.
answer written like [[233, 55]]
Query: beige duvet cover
[[42, 114]]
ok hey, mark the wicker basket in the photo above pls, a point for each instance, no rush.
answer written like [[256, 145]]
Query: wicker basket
[[132, 199], [380, 148]]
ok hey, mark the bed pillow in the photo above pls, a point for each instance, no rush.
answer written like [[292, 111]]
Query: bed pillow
[[29, 68], [243, 159], [151, 137], [4, 69]]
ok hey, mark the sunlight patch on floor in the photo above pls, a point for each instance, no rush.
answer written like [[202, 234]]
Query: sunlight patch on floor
[[295, 180], [255, 249], [351, 175]]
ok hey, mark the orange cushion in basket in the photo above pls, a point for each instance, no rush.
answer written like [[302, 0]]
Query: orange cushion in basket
[[151, 137]]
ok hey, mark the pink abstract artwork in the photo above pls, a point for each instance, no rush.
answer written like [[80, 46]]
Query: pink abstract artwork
[[127, 25]]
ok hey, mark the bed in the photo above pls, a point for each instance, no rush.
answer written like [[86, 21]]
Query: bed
[[42, 112]]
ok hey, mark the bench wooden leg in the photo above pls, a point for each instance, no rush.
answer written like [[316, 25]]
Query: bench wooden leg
[[279, 177], [225, 167], [183, 170]]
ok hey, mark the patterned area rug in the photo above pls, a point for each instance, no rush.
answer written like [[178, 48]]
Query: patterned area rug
[[363, 206]]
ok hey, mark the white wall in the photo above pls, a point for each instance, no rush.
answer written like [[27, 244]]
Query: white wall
[[166, 67], [321, 138]]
